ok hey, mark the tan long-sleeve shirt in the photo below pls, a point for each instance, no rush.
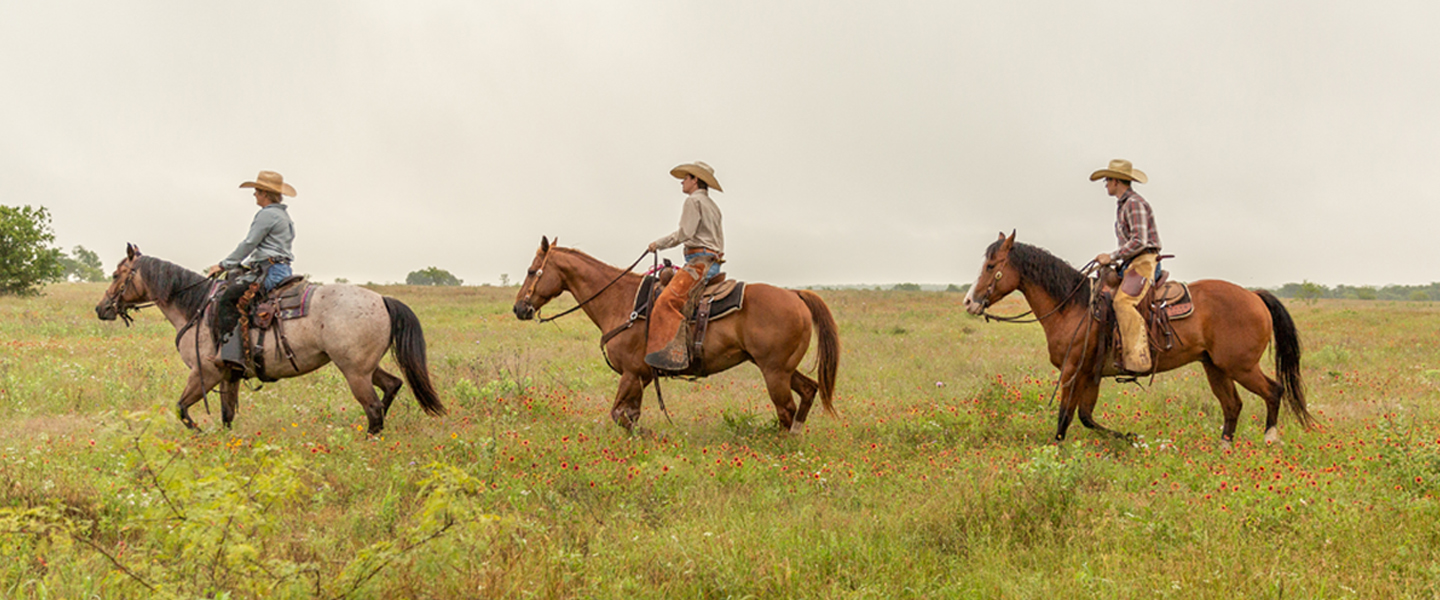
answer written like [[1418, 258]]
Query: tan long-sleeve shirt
[[699, 225]]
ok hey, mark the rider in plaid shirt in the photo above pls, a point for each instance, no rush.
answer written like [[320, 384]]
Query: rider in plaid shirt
[[1138, 253]]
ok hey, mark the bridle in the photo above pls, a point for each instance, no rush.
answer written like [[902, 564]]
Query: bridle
[[123, 308], [540, 272], [1021, 318]]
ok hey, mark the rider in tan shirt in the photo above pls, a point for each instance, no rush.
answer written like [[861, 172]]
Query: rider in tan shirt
[[703, 238]]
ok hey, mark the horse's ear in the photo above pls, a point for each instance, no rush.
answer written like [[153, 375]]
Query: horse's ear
[[1010, 241], [544, 244], [1001, 238], [131, 251]]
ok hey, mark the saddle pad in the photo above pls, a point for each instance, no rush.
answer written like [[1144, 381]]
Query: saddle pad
[[1174, 297], [725, 297], [729, 298]]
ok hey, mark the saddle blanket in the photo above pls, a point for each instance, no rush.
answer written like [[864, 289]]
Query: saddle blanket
[[725, 297]]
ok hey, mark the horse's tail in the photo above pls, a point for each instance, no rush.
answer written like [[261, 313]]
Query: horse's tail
[[408, 340], [828, 361], [1287, 358]]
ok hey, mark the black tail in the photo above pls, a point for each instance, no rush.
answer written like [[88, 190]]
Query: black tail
[[1287, 358], [408, 341], [828, 346]]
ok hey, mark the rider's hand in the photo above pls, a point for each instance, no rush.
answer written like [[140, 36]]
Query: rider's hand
[[213, 271], [651, 247], [1104, 259]]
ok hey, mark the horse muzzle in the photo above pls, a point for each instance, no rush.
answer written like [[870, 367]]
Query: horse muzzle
[[524, 311], [106, 311]]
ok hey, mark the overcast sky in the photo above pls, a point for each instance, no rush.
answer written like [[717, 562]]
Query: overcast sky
[[858, 142]]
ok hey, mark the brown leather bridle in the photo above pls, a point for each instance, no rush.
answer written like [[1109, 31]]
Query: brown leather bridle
[[117, 301]]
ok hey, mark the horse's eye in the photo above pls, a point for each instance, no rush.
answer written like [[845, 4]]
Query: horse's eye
[[530, 273]]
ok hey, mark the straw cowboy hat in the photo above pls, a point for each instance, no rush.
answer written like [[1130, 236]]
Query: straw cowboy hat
[[1120, 169], [705, 172], [270, 181]]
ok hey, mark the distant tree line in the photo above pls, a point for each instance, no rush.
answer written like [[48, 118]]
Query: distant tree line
[[431, 276], [1314, 291]]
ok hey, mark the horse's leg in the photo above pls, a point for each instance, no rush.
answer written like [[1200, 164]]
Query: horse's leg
[[1087, 392], [778, 383], [1070, 389], [1224, 388], [363, 387], [229, 402], [626, 411], [195, 388], [1263, 386], [387, 383], [807, 388]]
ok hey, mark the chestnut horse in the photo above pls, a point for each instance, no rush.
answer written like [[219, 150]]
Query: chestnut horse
[[349, 325], [1228, 334], [772, 330]]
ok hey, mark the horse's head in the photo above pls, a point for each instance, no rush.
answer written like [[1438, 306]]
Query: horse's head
[[127, 288], [997, 277], [541, 284]]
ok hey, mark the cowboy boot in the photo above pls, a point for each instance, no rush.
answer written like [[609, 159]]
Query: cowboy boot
[[666, 349], [231, 356]]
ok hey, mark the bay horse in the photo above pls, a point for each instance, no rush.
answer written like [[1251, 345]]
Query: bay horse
[[1228, 334], [772, 330], [348, 325]]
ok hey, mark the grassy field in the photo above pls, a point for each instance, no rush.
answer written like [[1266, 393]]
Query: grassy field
[[937, 480]]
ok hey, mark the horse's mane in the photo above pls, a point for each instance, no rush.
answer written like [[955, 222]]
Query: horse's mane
[[173, 284], [1055, 276], [582, 255]]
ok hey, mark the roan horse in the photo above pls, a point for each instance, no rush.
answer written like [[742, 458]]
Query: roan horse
[[1228, 334], [348, 325], [772, 330]]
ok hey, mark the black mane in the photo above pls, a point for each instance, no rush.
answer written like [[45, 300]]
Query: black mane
[[173, 284], [1037, 265]]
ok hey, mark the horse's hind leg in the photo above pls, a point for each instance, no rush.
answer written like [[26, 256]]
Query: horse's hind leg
[[807, 388], [387, 383], [777, 382], [1230, 404], [1261, 385], [363, 387]]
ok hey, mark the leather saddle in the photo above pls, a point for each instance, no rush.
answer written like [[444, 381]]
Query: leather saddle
[[1164, 302], [289, 300], [721, 297]]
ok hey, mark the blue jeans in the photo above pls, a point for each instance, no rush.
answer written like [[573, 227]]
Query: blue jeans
[[714, 266], [277, 273]]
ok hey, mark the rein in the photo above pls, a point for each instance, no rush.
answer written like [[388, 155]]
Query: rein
[[572, 309]]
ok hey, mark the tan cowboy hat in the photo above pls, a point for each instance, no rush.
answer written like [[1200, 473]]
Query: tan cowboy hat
[[270, 181], [705, 172], [1121, 169]]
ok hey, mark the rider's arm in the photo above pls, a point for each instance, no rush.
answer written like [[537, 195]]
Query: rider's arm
[[689, 222], [1137, 220], [259, 228]]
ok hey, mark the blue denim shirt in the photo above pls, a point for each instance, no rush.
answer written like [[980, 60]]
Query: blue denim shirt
[[270, 236]]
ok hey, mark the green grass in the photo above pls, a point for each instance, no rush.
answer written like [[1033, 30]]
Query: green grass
[[936, 480]]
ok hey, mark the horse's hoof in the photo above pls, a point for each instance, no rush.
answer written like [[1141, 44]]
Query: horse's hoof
[[1226, 445], [1272, 436], [797, 428]]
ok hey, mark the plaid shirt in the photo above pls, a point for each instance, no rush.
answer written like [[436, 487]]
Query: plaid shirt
[[1134, 227]]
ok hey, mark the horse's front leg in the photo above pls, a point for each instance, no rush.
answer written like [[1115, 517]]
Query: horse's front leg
[[626, 411], [196, 387], [1070, 388]]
